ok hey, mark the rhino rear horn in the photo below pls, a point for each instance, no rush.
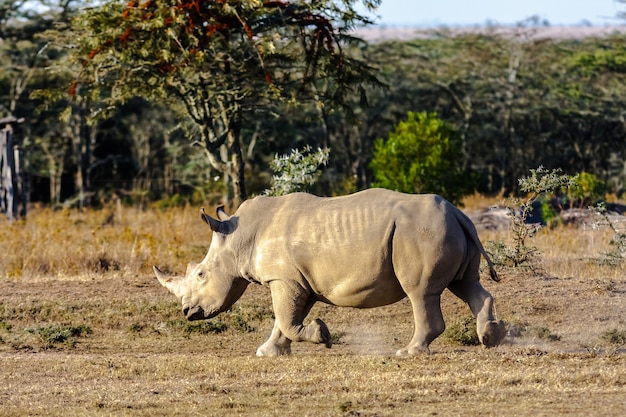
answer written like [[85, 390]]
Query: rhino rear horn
[[221, 213], [214, 224], [221, 226]]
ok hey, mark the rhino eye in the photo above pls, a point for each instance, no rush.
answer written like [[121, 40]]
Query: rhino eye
[[200, 274]]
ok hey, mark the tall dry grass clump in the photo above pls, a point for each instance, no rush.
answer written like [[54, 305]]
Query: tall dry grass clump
[[118, 240]]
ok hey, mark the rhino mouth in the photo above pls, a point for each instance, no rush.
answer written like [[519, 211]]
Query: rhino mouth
[[197, 313]]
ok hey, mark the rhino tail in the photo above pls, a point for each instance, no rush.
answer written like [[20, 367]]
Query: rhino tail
[[470, 231]]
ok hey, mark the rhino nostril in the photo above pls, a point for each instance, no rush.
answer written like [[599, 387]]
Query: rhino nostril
[[185, 310]]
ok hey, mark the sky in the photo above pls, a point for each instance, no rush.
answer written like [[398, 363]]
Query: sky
[[504, 12]]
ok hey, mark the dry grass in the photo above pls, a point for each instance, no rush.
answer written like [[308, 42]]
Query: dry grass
[[88, 243], [79, 338]]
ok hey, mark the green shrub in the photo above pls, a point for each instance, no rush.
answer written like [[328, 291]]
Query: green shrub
[[586, 190], [296, 171], [549, 214], [539, 185], [204, 327], [422, 155], [462, 332], [53, 335], [336, 337], [241, 324]]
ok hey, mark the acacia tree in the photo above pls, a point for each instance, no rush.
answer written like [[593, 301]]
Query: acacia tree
[[221, 63]]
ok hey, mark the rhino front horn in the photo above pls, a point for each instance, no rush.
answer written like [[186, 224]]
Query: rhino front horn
[[171, 283]]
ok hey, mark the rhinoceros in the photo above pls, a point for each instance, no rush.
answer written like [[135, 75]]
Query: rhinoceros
[[368, 249]]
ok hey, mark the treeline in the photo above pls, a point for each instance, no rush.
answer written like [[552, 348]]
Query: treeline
[[518, 101]]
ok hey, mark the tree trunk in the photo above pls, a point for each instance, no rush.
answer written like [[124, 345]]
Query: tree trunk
[[237, 171], [56, 171], [225, 153], [82, 137]]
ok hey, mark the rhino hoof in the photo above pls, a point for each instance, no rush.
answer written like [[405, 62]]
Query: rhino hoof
[[273, 350], [323, 335], [493, 333], [413, 350]]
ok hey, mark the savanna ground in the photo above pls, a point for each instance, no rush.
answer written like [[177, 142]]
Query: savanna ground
[[85, 329]]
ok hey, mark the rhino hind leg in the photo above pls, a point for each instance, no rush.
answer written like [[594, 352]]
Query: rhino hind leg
[[429, 323], [490, 331]]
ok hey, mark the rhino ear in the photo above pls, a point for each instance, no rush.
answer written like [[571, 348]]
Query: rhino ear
[[221, 213], [214, 224]]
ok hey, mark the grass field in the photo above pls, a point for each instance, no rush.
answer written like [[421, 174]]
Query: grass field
[[85, 329]]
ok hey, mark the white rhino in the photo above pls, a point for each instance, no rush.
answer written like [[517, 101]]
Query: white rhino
[[369, 249]]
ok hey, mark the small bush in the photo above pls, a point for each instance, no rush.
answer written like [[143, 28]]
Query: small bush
[[240, 324], [242, 317], [587, 190], [462, 332], [549, 214], [336, 337], [297, 170], [252, 312], [540, 183], [136, 328], [614, 336], [53, 335], [204, 327]]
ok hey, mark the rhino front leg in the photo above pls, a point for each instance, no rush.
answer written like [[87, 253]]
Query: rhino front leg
[[291, 304], [490, 331]]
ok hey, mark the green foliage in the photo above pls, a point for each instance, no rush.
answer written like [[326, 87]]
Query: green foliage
[[336, 337], [422, 155], [295, 171], [462, 332], [590, 63], [204, 327], [53, 335], [549, 214], [541, 182], [242, 325], [587, 189]]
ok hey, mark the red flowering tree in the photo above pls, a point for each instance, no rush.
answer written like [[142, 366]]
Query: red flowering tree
[[220, 63]]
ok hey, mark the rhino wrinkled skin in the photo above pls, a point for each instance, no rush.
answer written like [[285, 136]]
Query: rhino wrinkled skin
[[369, 249]]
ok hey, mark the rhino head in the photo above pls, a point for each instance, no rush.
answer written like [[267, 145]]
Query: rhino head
[[213, 285]]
